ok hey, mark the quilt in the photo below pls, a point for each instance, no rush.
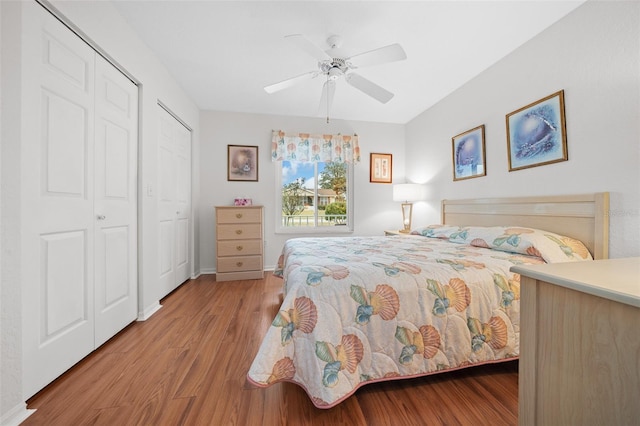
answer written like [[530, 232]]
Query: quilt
[[359, 310]]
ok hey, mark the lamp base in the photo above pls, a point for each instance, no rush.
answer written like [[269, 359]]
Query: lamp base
[[404, 231]]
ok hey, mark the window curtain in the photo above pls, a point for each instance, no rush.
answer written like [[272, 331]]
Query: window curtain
[[305, 147]]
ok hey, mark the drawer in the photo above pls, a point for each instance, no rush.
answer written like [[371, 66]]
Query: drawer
[[239, 247], [239, 263], [238, 215], [250, 231]]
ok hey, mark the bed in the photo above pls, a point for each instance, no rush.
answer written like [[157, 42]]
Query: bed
[[359, 310]]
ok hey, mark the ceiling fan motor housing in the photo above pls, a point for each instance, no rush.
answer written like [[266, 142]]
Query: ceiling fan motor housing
[[334, 69]]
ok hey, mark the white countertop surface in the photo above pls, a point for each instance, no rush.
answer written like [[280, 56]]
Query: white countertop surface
[[613, 279]]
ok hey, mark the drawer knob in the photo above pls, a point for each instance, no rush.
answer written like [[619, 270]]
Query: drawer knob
[[238, 231], [239, 215], [238, 264], [239, 248]]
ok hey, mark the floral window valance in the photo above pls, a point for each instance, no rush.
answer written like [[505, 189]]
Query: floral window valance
[[306, 147]]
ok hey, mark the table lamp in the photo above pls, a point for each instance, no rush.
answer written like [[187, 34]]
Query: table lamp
[[406, 193]]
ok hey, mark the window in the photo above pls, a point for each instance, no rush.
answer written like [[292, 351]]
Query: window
[[314, 197]]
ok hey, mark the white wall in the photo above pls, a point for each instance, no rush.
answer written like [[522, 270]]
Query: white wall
[[594, 55], [374, 208], [107, 29]]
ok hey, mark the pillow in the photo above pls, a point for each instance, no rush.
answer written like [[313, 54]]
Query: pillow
[[444, 232], [551, 247]]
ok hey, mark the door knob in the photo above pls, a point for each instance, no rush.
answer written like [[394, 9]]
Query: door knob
[[101, 217]]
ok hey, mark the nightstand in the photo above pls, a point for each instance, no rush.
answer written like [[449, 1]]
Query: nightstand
[[388, 232], [579, 342]]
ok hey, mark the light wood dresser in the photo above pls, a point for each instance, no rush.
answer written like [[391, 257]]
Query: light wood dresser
[[580, 343], [239, 243]]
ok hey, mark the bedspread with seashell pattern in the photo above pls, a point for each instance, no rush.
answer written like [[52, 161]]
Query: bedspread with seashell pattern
[[358, 310]]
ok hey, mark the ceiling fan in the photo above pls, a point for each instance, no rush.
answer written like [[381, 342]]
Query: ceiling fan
[[337, 67]]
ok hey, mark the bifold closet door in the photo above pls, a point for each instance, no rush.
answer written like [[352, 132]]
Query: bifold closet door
[[115, 201], [77, 157], [174, 201]]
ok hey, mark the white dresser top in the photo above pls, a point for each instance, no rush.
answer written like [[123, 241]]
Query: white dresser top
[[613, 279]]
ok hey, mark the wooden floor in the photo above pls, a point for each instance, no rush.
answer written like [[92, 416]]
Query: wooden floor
[[187, 364]]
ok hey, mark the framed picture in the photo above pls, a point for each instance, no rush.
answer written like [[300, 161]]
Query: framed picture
[[380, 168], [242, 163], [469, 154], [536, 133]]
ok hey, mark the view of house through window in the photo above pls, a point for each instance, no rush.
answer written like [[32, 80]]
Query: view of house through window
[[314, 194]]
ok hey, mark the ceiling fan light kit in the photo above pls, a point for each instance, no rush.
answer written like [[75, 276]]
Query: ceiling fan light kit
[[335, 68]]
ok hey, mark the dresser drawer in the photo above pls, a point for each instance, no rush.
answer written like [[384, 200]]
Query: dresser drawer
[[239, 215], [239, 248], [249, 231], [239, 263]]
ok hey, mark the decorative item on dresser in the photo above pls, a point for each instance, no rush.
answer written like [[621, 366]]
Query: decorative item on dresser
[[239, 243]]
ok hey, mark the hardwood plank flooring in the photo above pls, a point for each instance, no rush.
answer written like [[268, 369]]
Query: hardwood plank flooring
[[187, 365]]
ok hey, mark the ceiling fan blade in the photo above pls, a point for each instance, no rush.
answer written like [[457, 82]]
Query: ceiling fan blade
[[290, 82], [326, 100], [391, 53], [305, 44], [368, 87]]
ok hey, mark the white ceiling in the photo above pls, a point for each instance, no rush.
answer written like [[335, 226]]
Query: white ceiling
[[223, 53]]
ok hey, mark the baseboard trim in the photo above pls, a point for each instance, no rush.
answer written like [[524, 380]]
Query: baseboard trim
[[16, 415], [150, 310]]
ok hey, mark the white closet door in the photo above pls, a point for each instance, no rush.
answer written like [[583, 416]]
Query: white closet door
[[183, 202], [174, 201], [116, 133], [78, 199], [57, 198]]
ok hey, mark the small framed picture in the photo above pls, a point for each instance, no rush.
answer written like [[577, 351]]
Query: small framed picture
[[242, 163], [469, 154], [380, 168], [536, 133]]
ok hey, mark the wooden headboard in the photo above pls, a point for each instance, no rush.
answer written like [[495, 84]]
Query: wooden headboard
[[584, 216]]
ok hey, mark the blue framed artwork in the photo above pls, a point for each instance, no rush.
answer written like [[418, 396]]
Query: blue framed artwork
[[536, 133], [469, 154]]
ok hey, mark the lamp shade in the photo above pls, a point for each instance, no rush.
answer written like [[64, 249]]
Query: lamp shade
[[408, 192]]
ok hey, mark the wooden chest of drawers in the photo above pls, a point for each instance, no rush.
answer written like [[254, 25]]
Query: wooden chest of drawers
[[239, 243]]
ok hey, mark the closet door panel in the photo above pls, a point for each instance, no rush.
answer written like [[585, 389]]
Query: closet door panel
[[115, 201], [64, 146], [166, 204], [63, 288], [174, 202], [57, 198], [183, 201]]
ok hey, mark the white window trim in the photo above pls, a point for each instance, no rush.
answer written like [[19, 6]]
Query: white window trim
[[314, 230]]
